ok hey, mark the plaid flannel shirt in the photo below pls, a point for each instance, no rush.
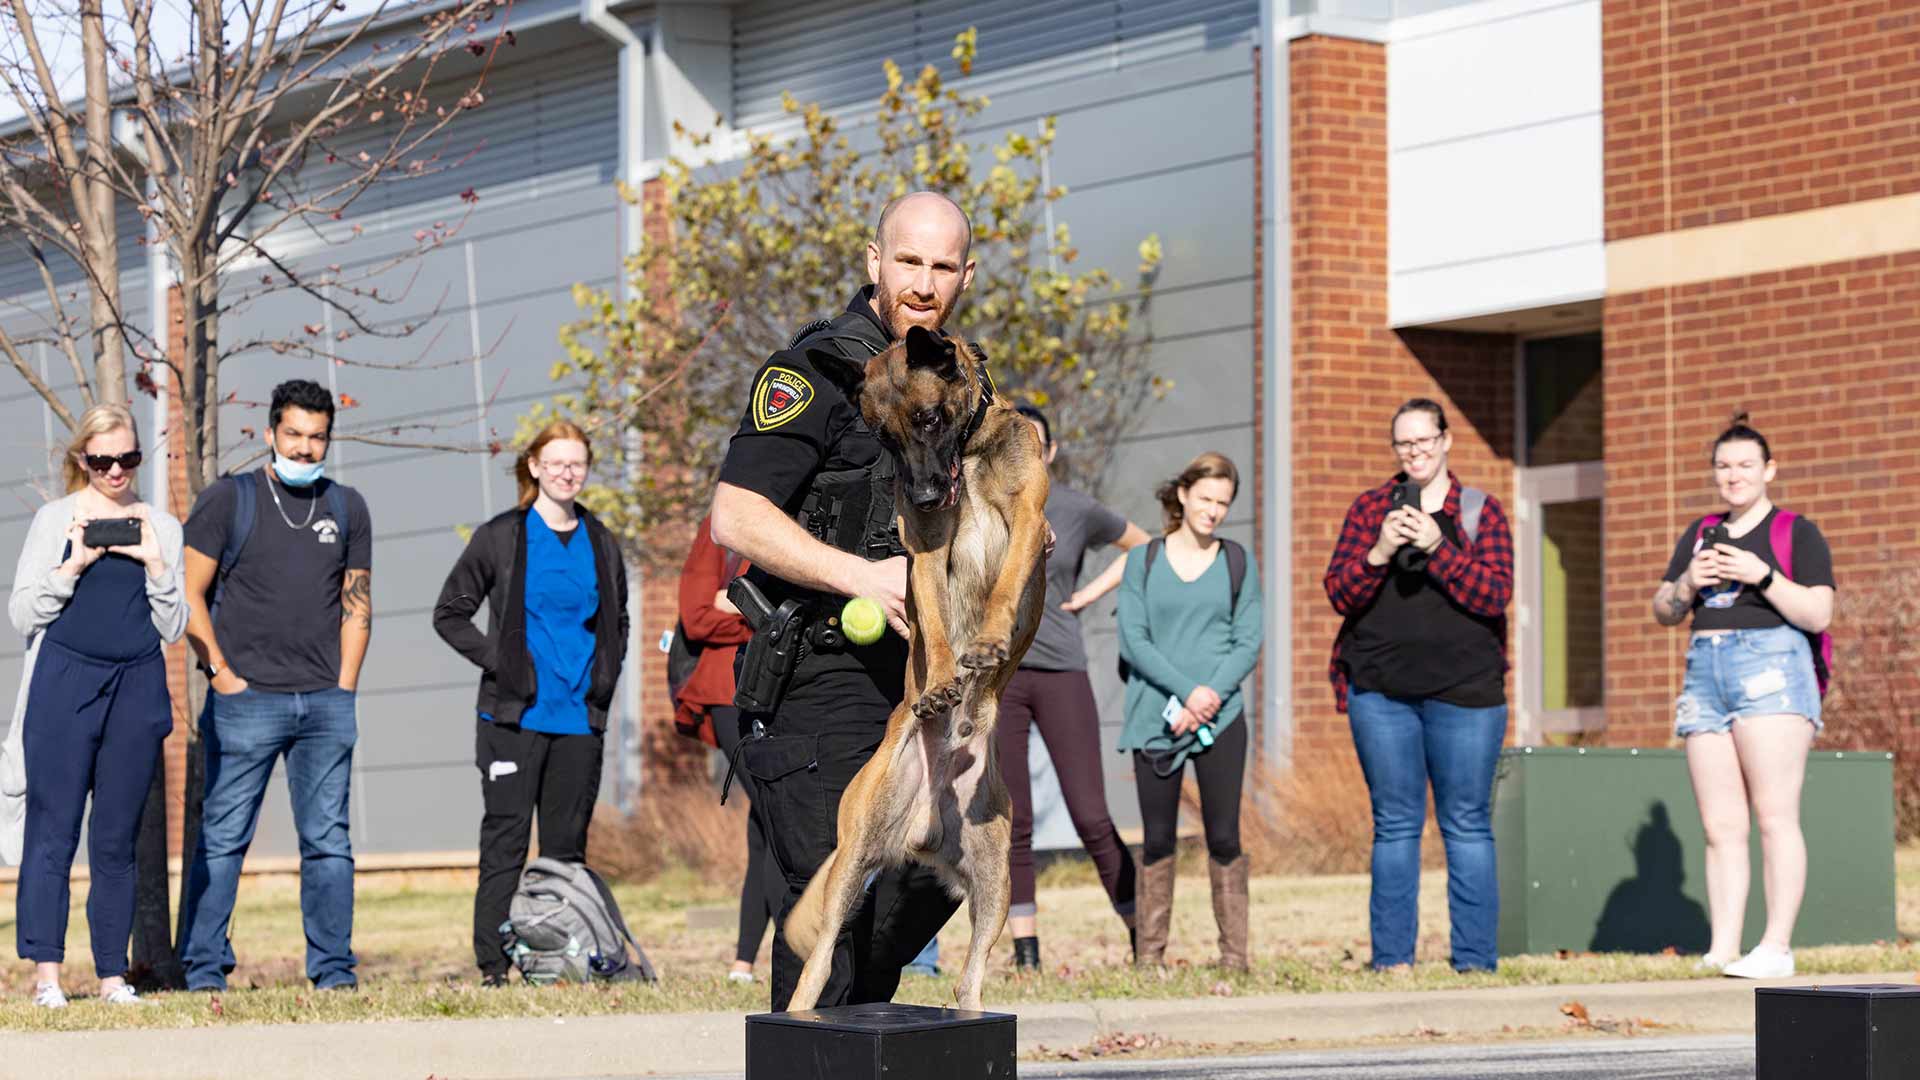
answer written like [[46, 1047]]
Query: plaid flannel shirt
[[1478, 578]]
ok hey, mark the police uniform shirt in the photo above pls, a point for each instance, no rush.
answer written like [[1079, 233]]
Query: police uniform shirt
[[797, 424]]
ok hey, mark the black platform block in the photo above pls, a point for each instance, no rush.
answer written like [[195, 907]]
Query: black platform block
[[1869, 1032], [869, 1042]]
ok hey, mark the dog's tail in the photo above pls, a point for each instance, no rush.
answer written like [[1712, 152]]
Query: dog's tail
[[803, 922]]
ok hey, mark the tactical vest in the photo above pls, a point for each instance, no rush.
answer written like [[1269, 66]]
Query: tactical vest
[[850, 509]]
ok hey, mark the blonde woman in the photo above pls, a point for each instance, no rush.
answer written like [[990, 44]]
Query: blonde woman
[[556, 593], [93, 707]]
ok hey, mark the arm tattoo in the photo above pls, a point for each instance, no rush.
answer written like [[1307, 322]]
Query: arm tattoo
[[356, 598]]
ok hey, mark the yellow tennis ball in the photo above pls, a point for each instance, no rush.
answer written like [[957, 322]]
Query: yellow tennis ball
[[863, 621]]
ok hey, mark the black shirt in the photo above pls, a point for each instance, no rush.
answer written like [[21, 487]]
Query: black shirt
[[1736, 606], [1414, 641], [797, 425], [279, 620]]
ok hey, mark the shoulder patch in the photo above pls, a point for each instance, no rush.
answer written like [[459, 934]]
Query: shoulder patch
[[780, 395]]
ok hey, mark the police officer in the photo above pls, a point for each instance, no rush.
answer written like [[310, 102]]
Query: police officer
[[805, 495]]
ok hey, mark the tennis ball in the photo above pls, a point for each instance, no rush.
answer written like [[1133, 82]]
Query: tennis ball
[[863, 621]]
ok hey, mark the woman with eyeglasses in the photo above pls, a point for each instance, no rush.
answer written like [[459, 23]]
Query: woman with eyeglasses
[[93, 709], [555, 586], [1190, 631], [1422, 574]]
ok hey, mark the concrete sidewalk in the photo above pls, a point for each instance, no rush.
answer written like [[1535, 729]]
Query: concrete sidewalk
[[683, 1043]]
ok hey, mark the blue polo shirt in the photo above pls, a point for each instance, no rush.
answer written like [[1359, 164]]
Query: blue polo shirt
[[563, 593]]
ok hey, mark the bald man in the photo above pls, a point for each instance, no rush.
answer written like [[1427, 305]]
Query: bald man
[[806, 496]]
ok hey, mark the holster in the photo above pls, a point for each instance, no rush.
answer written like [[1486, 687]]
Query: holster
[[772, 652]]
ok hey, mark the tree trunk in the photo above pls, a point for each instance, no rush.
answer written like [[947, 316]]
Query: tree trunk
[[154, 963]]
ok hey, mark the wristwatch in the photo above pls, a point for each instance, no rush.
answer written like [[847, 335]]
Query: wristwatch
[[209, 670], [1764, 582]]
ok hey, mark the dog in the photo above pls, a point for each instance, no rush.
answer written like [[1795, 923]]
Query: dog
[[970, 499]]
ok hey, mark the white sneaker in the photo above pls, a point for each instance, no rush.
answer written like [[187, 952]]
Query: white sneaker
[[1710, 962], [48, 996], [1764, 962], [740, 976], [122, 995]]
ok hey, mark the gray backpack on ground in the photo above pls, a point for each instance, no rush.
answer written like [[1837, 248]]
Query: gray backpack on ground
[[563, 926]]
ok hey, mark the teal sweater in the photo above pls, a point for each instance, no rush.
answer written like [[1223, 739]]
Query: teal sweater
[[1178, 635]]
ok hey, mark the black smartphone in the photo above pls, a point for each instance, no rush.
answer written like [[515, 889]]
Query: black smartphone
[[1714, 534], [1405, 493], [111, 532]]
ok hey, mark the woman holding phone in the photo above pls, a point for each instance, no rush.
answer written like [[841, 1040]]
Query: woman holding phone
[[1190, 632], [96, 594], [1757, 582], [1422, 574]]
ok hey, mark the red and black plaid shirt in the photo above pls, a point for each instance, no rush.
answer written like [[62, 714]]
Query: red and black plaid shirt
[[1478, 578]]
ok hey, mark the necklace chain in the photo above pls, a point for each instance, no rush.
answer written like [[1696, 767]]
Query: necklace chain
[[311, 504]]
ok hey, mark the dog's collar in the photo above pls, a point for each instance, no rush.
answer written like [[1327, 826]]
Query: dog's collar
[[980, 409]]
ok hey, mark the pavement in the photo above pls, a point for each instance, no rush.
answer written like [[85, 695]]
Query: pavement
[[691, 1044]]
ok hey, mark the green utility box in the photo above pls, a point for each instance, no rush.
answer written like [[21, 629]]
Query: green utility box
[[1601, 850]]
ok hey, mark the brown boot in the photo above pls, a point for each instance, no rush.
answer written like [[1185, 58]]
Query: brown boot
[[1230, 910], [1153, 912]]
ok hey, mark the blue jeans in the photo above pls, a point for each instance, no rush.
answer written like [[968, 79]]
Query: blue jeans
[[244, 734], [1404, 742]]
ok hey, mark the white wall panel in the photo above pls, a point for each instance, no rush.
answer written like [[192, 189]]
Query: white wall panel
[[1495, 170]]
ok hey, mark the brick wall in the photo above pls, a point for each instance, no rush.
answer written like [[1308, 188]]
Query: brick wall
[[1350, 369], [1771, 108], [1824, 358]]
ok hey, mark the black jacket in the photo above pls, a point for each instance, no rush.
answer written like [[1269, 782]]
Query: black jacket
[[493, 569]]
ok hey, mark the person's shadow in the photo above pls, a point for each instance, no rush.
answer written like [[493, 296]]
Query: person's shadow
[[1647, 912]]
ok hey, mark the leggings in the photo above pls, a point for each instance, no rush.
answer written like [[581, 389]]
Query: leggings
[[1220, 773], [1060, 704], [762, 887]]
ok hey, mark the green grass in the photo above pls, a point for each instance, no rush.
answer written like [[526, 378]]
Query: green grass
[[412, 935]]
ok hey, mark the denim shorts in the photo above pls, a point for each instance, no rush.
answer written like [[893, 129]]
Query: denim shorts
[[1746, 673]]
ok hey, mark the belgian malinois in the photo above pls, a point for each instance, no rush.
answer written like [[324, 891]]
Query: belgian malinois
[[971, 495]]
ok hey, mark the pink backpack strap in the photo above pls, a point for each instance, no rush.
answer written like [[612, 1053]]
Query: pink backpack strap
[[1780, 535]]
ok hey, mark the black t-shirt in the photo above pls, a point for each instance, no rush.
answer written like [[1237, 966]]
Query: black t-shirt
[[796, 426], [1736, 606], [1414, 641], [279, 620]]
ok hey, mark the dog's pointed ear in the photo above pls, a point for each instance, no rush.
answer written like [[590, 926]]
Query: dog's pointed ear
[[850, 377], [928, 351]]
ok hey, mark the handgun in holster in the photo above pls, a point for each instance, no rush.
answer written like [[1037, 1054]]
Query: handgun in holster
[[771, 652]]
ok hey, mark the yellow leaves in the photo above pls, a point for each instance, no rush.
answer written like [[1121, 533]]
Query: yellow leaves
[[966, 45], [894, 78], [1150, 254]]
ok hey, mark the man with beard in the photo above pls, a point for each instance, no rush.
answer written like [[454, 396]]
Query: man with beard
[[806, 496]]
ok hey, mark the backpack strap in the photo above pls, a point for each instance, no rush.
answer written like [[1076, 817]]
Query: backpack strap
[[1472, 502], [1236, 572], [1153, 552], [1780, 536], [246, 503], [337, 506]]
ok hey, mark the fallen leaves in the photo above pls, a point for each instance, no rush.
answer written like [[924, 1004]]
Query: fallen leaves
[[1579, 1019], [1111, 1044]]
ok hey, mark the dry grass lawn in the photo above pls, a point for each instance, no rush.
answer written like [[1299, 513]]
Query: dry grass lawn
[[412, 933]]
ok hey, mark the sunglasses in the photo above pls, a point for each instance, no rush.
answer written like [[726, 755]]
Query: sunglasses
[[100, 463]]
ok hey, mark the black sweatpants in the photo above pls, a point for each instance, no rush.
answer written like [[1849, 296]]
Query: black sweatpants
[[762, 887], [520, 771], [825, 731], [1220, 772]]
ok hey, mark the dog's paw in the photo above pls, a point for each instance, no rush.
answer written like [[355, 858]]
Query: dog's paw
[[937, 701], [985, 654]]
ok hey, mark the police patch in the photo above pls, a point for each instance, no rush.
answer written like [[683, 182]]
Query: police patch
[[779, 396]]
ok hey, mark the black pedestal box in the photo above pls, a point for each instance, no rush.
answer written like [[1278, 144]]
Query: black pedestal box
[[1869, 1032], [868, 1042]]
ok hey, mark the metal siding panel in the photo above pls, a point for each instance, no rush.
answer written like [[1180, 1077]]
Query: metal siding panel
[[831, 52]]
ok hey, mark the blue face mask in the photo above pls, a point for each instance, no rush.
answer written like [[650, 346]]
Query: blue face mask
[[297, 473]]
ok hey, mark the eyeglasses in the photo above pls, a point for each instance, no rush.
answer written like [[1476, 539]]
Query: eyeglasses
[[564, 468], [100, 463], [1425, 445]]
